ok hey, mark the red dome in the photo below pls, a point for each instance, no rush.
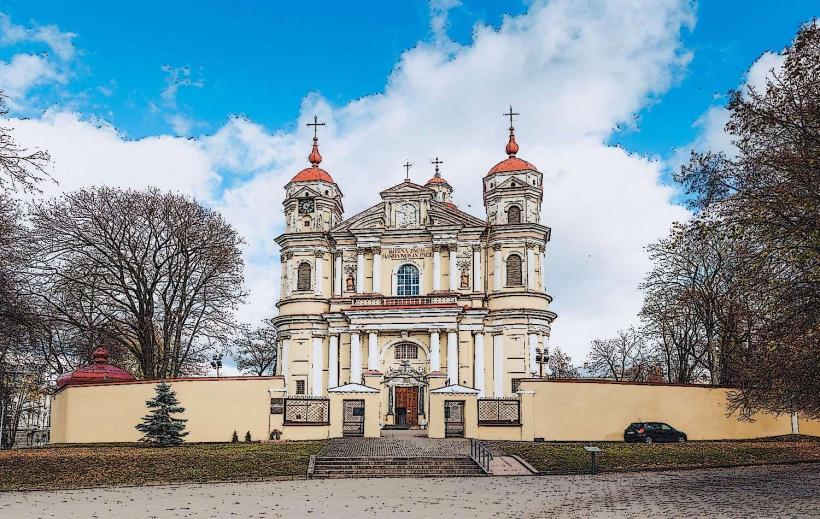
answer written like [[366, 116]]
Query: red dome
[[512, 164], [437, 180], [100, 371], [313, 173]]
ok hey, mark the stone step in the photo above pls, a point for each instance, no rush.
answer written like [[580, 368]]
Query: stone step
[[394, 464], [341, 475], [394, 467]]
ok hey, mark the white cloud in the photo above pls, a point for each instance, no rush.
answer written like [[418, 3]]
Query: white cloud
[[24, 72], [60, 42], [570, 68], [712, 135]]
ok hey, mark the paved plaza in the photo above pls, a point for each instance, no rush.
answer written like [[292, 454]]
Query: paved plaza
[[775, 491]]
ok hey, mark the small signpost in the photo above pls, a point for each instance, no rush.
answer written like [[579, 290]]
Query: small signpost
[[593, 452]]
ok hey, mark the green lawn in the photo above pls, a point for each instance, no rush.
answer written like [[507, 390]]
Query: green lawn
[[88, 466], [571, 457]]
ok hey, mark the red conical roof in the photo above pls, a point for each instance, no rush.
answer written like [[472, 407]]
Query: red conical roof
[[100, 371], [314, 172], [511, 163]]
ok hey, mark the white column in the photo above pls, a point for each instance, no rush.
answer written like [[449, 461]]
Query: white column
[[544, 269], [533, 346], [477, 282], [316, 367], [377, 271], [355, 359], [453, 269], [333, 362], [291, 275], [360, 271], [337, 276], [478, 366], [498, 365], [372, 351], [320, 261], [497, 267], [436, 268], [530, 268], [452, 358], [435, 355], [285, 365]]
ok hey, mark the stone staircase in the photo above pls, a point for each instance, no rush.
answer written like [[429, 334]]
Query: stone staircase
[[372, 467], [394, 456]]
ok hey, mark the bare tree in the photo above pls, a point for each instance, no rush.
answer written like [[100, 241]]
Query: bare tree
[[560, 365], [154, 273], [256, 350], [766, 198], [20, 168], [624, 357]]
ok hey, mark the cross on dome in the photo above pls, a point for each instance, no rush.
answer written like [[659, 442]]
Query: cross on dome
[[512, 146], [315, 157], [437, 162]]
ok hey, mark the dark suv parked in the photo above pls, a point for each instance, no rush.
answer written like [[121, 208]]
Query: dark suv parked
[[649, 432]]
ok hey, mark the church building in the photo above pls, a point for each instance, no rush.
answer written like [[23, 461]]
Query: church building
[[413, 289]]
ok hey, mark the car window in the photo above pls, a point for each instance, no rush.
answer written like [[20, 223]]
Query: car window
[[665, 427]]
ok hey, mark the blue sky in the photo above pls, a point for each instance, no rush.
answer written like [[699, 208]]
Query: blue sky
[[260, 60], [612, 95]]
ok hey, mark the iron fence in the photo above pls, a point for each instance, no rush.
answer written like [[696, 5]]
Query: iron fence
[[499, 411], [304, 410]]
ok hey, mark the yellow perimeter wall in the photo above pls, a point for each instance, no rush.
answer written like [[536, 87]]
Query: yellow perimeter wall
[[553, 410], [214, 408], [583, 410]]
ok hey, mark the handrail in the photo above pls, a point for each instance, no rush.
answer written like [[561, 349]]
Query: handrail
[[481, 455]]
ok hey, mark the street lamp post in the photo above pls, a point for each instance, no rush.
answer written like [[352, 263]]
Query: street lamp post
[[541, 357], [216, 363]]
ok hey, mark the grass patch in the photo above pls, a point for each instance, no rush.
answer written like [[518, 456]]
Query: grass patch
[[571, 457], [88, 466]]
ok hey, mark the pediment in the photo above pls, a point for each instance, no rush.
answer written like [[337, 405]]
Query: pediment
[[372, 218], [404, 189], [513, 182], [304, 192], [443, 214]]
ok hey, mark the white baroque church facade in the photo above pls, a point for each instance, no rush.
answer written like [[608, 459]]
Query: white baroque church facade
[[413, 289]]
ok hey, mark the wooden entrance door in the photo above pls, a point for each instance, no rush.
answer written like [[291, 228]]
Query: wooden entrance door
[[407, 404]]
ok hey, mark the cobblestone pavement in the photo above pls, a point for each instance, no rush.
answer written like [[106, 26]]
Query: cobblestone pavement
[[396, 446], [775, 491]]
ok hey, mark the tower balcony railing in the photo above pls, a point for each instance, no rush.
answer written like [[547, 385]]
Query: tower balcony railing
[[404, 301]]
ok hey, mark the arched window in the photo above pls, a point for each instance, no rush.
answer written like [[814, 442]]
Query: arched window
[[406, 351], [303, 277], [514, 270], [514, 214], [407, 281]]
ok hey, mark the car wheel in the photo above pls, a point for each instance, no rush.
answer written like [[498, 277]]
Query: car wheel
[[681, 439], [648, 439]]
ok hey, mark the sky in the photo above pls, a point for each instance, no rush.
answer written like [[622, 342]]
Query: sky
[[210, 99]]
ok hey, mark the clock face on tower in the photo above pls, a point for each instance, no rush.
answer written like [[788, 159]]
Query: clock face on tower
[[306, 205]]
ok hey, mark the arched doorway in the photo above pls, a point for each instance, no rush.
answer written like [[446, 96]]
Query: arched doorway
[[406, 392]]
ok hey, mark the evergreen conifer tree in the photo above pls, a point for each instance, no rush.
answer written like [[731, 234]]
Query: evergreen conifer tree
[[158, 427]]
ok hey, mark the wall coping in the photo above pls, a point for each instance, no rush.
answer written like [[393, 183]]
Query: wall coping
[[172, 381], [622, 382]]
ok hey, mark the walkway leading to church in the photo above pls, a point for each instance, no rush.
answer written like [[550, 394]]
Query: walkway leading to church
[[403, 454], [772, 491]]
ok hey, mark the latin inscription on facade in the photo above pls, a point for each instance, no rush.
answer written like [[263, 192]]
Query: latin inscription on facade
[[406, 253]]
